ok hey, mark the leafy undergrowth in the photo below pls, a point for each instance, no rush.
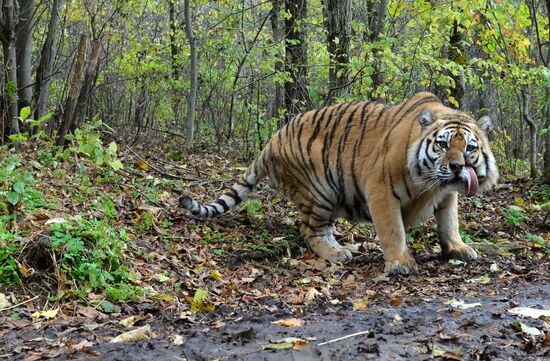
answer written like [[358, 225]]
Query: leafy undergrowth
[[74, 226]]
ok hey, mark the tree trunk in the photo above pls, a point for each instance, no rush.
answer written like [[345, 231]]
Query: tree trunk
[[457, 55], [375, 24], [546, 174], [76, 83], [44, 70], [23, 42], [87, 86], [7, 36], [532, 132], [296, 89], [278, 95], [338, 24], [547, 117], [191, 99], [177, 94]]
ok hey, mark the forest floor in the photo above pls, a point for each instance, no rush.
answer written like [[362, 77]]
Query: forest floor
[[245, 287]]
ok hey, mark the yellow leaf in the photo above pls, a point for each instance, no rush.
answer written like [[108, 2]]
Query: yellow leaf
[[520, 202], [215, 274], [46, 314], [142, 165], [360, 304], [286, 343], [288, 322]]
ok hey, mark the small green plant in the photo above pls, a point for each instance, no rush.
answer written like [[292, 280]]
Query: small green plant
[[145, 223], [466, 237], [109, 208], [89, 143], [514, 215], [253, 209], [34, 125], [8, 267], [91, 258], [16, 186], [538, 242]]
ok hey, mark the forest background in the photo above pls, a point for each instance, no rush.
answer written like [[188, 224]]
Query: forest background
[[229, 73]]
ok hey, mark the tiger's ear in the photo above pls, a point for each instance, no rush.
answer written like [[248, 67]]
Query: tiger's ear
[[486, 124], [425, 118]]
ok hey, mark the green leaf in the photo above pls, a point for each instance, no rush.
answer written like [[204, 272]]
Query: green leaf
[[18, 186], [200, 295], [116, 164], [12, 197], [112, 149], [24, 113]]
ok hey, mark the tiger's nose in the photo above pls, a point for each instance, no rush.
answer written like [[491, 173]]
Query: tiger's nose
[[456, 168]]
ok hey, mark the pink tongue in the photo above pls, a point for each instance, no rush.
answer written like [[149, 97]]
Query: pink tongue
[[472, 183]]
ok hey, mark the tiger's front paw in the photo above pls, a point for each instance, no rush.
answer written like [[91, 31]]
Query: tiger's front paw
[[461, 252], [405, 266], [329, 249]]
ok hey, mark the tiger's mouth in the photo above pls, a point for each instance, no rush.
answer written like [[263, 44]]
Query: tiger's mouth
[[467, 181], [471, 182]]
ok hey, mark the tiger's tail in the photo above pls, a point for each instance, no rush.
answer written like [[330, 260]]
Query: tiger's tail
[[235, 195]]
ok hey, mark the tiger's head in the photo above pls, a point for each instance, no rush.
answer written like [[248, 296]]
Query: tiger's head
[[453, 153]]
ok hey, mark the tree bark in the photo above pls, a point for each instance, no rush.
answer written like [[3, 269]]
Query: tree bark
[[338, 24], [546, 173], [75, 85], [547, 117], [44, 70], [532, 132], [278, 99], [457, 55], [375, 24], [23, 45], [191, 99], [87, 86], [7, 36], [296, 89]]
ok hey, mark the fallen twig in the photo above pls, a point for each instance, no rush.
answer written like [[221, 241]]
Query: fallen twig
[[366, 332], [19, 304], [169, 175]]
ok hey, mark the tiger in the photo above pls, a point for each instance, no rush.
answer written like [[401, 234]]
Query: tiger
[[390, 166]]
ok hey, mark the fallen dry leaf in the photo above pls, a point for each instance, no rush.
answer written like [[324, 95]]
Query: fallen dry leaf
[[529, 312], [46, 314], [289, 322], [360, 304], [528, 330], [4, 302], [128, 321], [82, 345], [178, 340], [462, 305], [286, 343], [139, 334]]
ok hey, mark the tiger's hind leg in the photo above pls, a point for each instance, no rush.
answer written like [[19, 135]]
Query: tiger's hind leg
[[317, 230], [451, 243]]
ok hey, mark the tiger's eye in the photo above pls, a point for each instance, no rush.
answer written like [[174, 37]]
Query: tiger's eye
[[442, 144], [470, 148]]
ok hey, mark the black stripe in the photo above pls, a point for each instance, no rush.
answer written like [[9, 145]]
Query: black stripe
[[341, 145], [234, 194], [223, 204]]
